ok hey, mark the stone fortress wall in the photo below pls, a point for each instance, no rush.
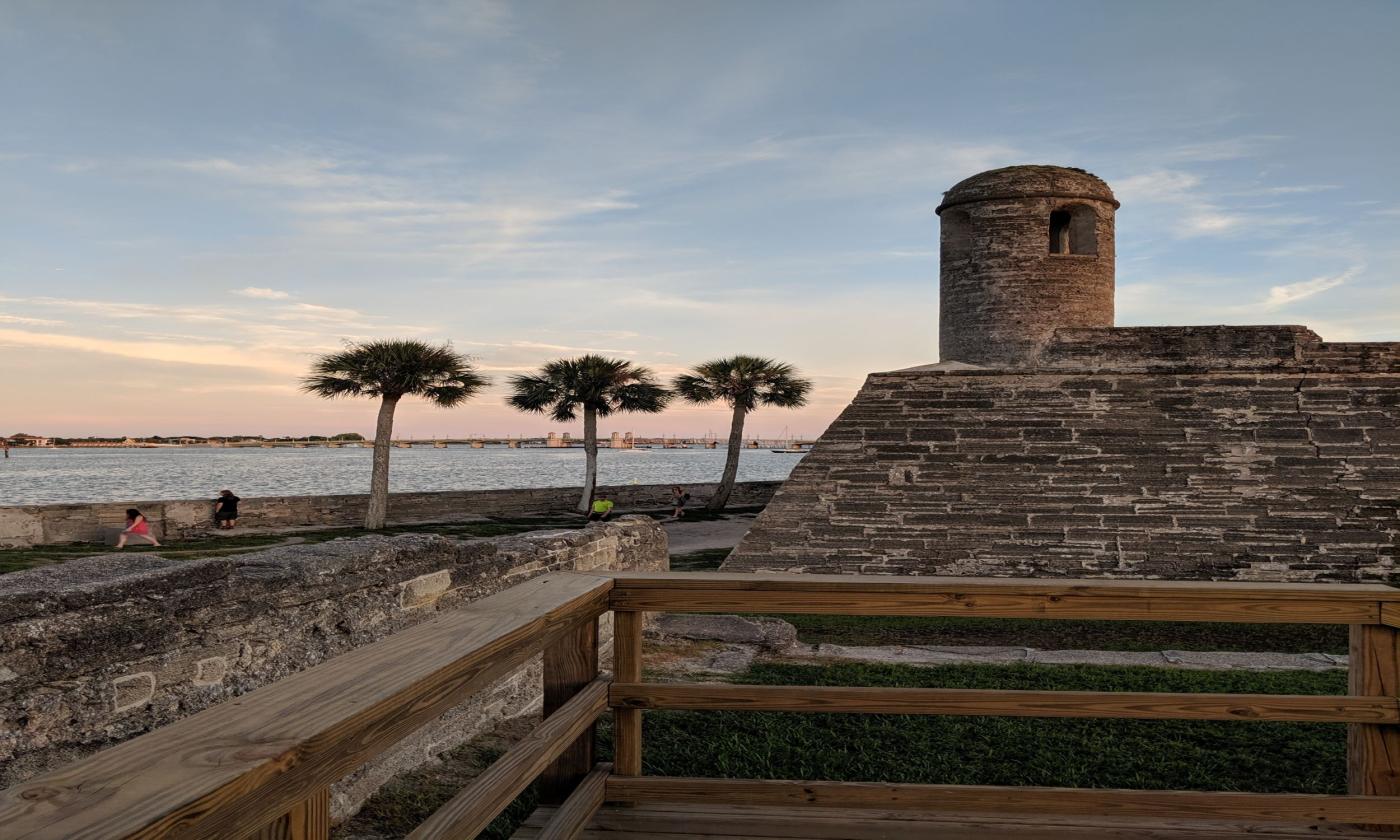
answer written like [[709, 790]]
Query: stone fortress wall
[[31, 525], [100, 650], [1043, 445]]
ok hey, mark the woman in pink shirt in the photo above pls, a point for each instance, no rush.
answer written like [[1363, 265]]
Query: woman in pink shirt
[[136, 526]]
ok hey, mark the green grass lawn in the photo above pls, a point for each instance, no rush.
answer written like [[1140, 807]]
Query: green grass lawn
[[1185, 755], [1181, 755], [699, 561]]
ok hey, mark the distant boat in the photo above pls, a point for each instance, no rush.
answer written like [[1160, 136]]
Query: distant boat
[[791, 449]]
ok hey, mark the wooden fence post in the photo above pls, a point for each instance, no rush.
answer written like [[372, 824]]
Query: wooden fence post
[[569, 664], [1373, 750], [310, 819], [627, 668]]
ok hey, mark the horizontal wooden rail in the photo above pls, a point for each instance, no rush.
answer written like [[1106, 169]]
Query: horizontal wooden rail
[[471, 810], [227, 770], [1005, 703], [1164, 804], [572, 817], [1003, 598]]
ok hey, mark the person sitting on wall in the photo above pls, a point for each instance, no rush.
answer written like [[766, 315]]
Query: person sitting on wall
[[602, 508], [136, 526], [226, 509]]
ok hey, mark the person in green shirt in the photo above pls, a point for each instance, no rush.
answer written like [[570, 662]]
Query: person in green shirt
[[601, 509]]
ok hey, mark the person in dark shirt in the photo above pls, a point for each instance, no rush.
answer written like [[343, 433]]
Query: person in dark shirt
[[226, 509]]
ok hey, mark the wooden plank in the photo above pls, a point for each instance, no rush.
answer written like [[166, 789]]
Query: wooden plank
[[309, 819], [1390, 614], [246, 762], [1005, 703], [471, 810], [570, 664], [671, 820], [568, 822], [932, 584], [1373, 751], [1069, 605], [627, 667], [1157, 804]]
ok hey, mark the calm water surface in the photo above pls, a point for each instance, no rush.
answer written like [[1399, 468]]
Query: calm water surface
[[47, 476]]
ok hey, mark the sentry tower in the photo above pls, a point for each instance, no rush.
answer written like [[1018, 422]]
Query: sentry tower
[[1025, 250]]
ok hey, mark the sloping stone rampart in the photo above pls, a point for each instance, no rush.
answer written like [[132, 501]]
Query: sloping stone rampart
[[1204, 470], [97, 651], [31, 525]]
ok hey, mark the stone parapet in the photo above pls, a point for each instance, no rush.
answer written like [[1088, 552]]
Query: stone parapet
[[100, 650], [31, 525], [1211, 348]]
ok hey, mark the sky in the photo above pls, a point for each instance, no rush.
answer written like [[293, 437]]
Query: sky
[[197, 198]]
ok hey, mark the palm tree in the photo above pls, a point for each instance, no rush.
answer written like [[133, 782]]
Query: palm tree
[[598, 386], [391, 370], [743, 383]]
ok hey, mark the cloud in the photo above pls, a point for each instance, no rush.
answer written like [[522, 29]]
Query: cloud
[[1299, 189], [1212, 151], [29, 322], [216, 355], [1294, 292], [1198, 212], [1161, 185], [264, 294]]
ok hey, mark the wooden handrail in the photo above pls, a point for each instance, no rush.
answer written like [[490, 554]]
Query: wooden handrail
[[1002, 598], [571, 818], [227, 770], [1163, 804], [1005, 703], [472, 809]]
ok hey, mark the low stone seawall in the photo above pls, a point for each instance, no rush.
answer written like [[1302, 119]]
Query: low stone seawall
[[32, 525], [100, 650]]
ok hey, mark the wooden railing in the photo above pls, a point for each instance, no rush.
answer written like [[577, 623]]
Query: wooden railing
[[261, 766], [1372, 709]]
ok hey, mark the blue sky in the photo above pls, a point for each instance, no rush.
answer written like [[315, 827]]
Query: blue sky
[[200, 196]]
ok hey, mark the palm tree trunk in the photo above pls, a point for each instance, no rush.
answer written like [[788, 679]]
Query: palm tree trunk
[[731, 462], [590, 452], [379, 479]]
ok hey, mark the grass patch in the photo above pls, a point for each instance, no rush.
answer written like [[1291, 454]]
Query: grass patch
[[698, 513], [699, 561], [1069, 635], [1181, 755], [1186, 755], [406, 801]]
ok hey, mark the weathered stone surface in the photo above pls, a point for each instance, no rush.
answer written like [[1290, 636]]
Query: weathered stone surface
[[1282, 473], [99, 650], [25, 526], [770, 633], [1003, 291]]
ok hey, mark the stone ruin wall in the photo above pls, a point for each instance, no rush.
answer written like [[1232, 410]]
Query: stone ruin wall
[[31, 525], [1225, 453], [100, 650]]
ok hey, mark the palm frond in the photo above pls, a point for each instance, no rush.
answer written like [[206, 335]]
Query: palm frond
[[744, 382], [396, 368], [565, 387]]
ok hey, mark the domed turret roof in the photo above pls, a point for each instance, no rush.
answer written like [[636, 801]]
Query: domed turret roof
[[1028, 182]]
